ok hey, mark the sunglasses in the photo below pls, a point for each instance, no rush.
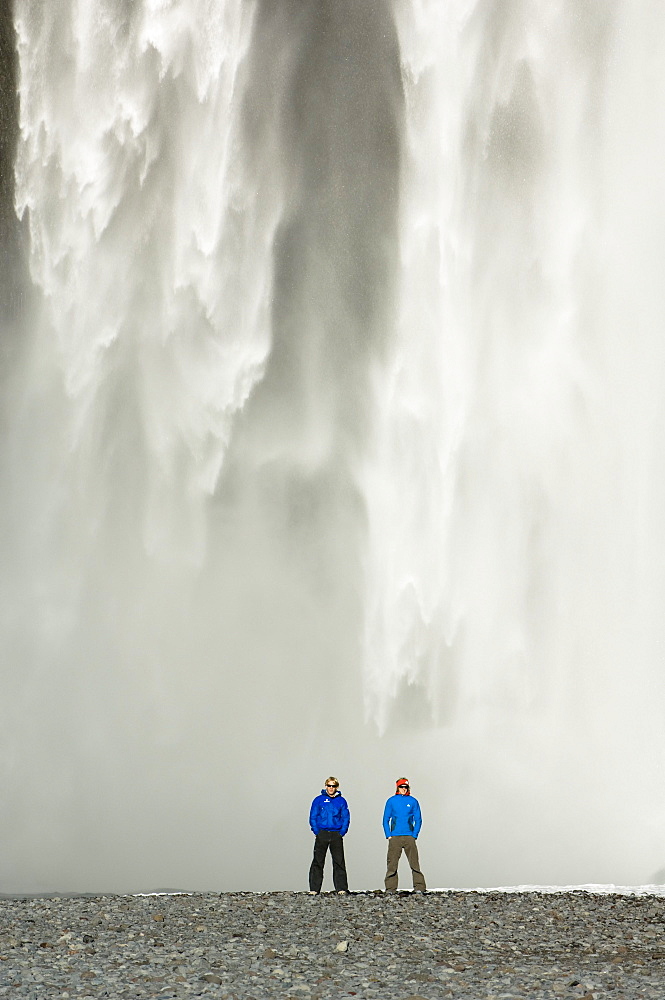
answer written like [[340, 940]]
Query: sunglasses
[[331, 786]]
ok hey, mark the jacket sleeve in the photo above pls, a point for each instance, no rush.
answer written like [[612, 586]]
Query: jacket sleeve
[[314, 817], [346, 817], [387, 812], [418, 819]]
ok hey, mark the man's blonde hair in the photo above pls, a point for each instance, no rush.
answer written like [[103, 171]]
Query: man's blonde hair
[[332, 779]]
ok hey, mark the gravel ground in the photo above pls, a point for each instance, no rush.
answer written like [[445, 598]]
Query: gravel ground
[[489, 945]]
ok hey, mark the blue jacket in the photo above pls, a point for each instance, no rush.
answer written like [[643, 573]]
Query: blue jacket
[[329, 812], [401, 817]]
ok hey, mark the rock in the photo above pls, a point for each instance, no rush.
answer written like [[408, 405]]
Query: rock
[[389, 945]]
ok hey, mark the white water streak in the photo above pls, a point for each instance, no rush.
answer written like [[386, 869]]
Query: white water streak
[[519, 416], [144, 234]]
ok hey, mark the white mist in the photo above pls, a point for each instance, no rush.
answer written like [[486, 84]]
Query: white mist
[[335, 442]]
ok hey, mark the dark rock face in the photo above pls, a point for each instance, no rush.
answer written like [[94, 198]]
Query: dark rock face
[[410, 947], [10, 258]]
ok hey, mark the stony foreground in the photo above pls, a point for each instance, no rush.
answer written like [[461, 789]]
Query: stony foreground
[[367, 945]]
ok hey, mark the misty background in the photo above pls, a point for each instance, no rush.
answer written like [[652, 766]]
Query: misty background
[[331, 438]]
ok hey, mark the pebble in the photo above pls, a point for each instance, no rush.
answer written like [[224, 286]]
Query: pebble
[[369, 945]]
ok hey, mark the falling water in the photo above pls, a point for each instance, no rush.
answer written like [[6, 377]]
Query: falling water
[[331, 439]]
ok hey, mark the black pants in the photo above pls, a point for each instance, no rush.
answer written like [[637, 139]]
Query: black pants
[[328, 839]]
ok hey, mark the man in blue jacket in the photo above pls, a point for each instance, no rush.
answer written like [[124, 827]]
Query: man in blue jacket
[[329, 819], [401, 825]]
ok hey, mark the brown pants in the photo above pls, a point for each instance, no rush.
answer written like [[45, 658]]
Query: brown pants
[[395, 847]]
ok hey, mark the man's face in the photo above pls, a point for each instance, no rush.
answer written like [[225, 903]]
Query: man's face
[[402, 789], [330, 788]]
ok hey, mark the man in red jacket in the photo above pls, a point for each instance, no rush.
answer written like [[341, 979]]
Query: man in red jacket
[[401, 824]]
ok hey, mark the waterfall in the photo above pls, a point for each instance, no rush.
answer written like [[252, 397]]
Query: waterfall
[[331, 438], [509, 543]]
